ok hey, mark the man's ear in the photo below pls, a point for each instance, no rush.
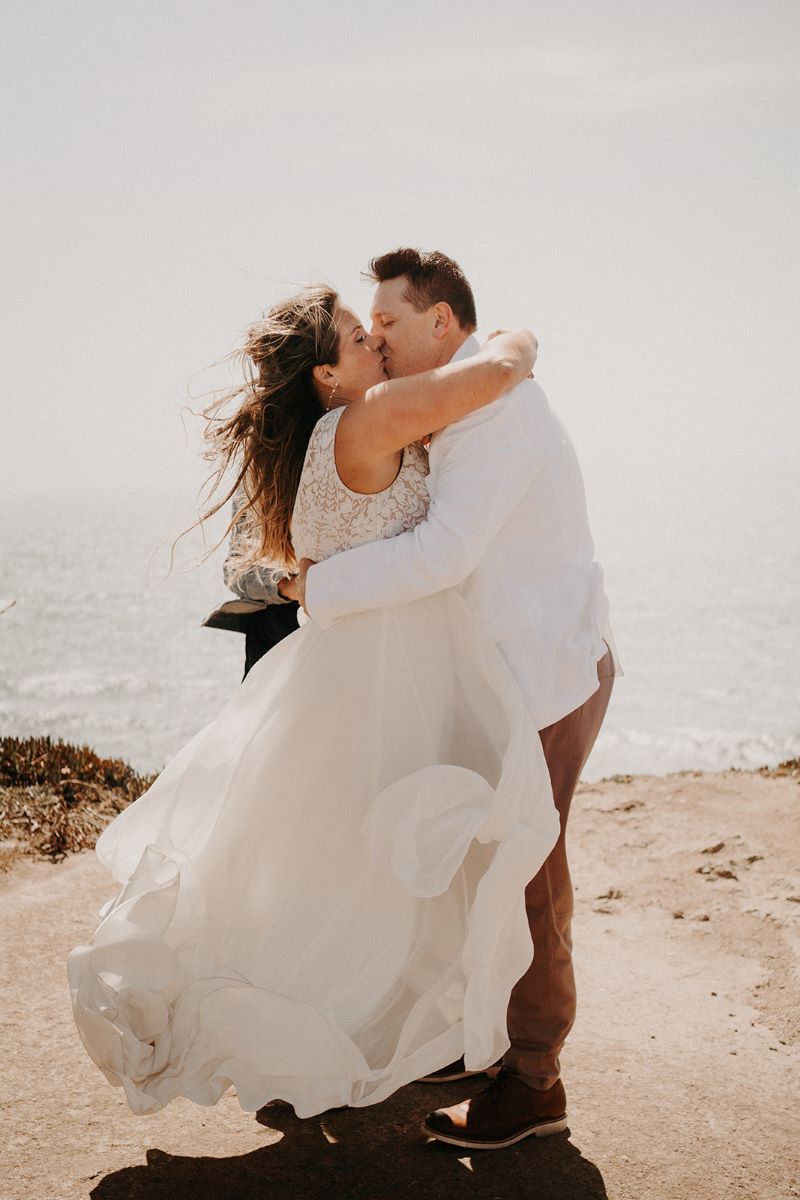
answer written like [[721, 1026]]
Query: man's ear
[[443, 318], [323, 374]]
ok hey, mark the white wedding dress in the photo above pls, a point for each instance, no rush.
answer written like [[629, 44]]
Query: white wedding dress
[[323, 892]]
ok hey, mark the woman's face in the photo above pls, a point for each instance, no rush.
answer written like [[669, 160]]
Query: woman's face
[[360, 364]]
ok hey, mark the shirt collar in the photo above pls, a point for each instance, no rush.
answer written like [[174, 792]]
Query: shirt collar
[[470, 346]]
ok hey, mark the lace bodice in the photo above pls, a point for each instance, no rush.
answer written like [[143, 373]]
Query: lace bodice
[[328, 517]]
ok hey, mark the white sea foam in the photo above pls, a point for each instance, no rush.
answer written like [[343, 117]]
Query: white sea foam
[[75, 684]]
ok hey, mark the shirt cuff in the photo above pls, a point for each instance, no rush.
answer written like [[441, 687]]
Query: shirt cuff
[[314, 604]]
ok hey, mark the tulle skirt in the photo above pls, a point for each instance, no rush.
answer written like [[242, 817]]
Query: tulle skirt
[[322, 895]]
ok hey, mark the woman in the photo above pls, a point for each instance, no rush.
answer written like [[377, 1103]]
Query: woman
[[323, 892]]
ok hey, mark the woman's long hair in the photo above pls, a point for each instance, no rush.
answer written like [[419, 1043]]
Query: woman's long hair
[[266, 438]]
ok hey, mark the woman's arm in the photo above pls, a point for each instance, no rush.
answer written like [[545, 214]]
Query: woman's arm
[[261, 581], [401, 411]]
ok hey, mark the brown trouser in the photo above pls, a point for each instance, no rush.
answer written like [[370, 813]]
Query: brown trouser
[[541, 1009]]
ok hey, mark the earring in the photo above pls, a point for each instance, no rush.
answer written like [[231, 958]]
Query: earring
[[333, 393]]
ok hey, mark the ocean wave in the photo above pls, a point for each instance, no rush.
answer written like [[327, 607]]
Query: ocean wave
[[100, 649], [60, 685], [644, 752]]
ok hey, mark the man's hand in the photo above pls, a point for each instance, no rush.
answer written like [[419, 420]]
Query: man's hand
[[300, 580]]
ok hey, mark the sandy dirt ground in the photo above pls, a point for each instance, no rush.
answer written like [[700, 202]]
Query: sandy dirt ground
[[682, 1072]]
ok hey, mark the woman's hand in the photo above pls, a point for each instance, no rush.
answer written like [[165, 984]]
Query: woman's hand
[[300, 581], [288, 588], [518, 337]]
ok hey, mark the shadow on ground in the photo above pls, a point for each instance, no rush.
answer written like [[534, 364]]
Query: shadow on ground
[[375, 1153]]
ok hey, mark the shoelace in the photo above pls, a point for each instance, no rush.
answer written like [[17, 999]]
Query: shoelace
[[496, 1086]]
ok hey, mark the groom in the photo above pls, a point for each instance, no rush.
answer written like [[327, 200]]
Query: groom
[[508, 527]]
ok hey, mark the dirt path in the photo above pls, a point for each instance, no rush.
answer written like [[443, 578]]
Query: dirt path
[[682, 1072]]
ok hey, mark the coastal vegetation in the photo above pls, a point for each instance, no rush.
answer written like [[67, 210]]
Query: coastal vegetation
[[56, 797]]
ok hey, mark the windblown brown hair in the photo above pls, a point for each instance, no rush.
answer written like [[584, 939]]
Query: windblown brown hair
[[267, 437], [432, 277]]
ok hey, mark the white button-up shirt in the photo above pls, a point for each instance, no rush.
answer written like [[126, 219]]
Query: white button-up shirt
[[508, 527]]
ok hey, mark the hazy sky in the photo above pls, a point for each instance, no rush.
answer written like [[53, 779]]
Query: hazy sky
[[622, 177]]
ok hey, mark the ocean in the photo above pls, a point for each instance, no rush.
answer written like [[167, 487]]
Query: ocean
[[702, 567]]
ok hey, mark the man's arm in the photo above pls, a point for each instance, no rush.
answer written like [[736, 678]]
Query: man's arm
[[481, 468]]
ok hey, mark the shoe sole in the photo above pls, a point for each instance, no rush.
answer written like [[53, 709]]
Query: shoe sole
[[545, 1129], [492, 1072]]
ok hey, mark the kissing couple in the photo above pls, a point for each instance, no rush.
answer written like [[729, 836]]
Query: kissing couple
[[356, 876]]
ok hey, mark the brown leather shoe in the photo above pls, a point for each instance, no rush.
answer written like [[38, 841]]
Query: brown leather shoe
[[505, 1113], [456, 1070]]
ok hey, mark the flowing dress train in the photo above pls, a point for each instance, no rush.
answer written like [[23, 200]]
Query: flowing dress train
[[322, 895]]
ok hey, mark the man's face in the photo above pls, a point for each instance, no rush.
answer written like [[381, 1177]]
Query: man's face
[[409, 345]]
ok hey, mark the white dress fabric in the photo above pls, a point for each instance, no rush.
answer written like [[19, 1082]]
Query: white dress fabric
[[322, 895]]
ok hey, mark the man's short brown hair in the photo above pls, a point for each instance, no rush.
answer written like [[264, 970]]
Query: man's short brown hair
[[432, 277]]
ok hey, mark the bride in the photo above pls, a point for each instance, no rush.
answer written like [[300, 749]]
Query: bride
[[322, 895]]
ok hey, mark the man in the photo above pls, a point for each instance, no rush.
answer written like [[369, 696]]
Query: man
[[508, 526], [264, 613]]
